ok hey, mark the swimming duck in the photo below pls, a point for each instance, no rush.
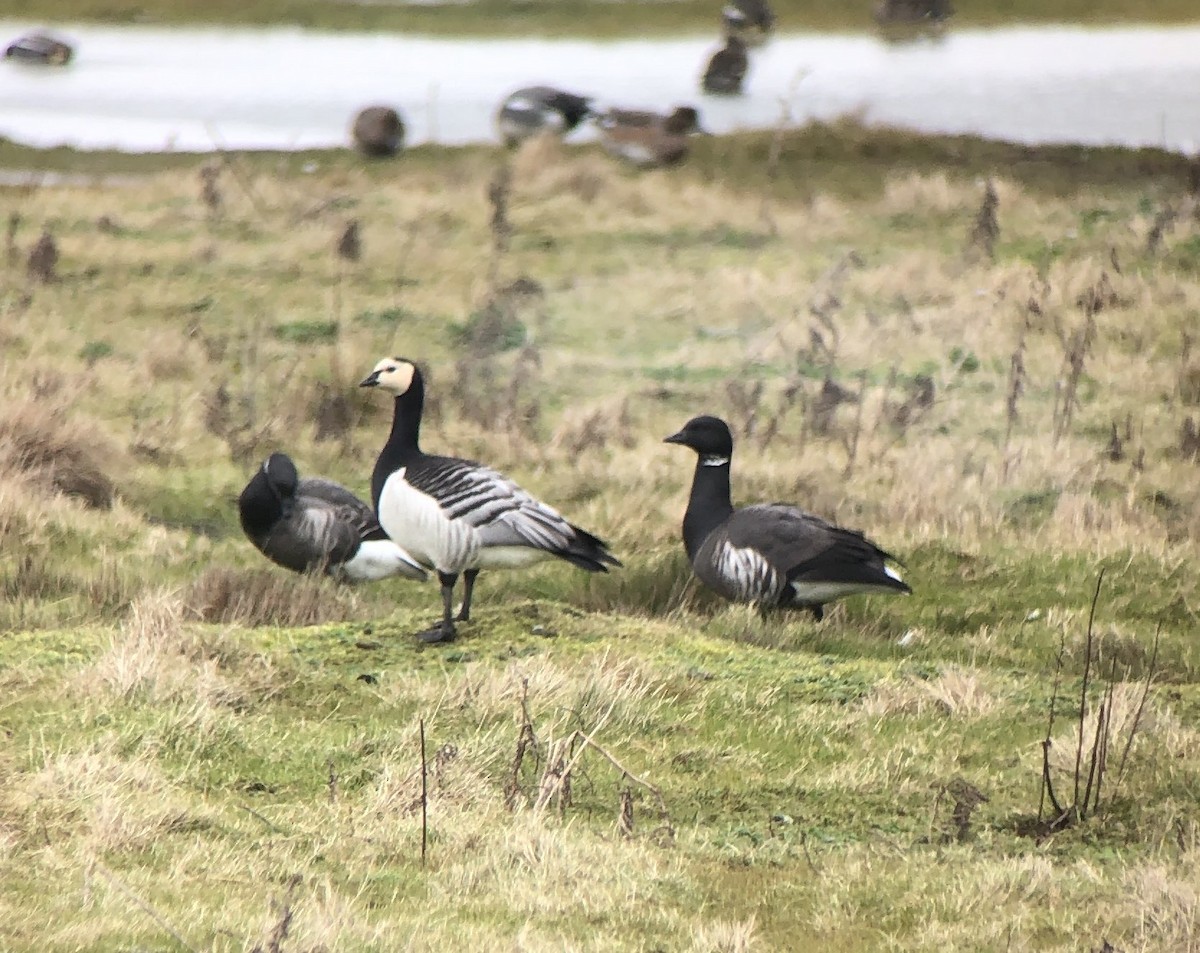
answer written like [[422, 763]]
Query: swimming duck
[[40, 48], [646, 138]]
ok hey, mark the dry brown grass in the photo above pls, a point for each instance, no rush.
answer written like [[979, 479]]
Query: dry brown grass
[[267, 597], [44, 442]]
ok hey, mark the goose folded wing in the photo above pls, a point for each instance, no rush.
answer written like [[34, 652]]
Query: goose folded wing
[[332, 537], [804, 546], [344, 505], [501, 512]]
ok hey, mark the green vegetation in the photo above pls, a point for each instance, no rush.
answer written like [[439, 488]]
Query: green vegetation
[[205, 752], [593, 18]]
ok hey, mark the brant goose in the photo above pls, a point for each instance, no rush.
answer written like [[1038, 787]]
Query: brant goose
[[645, 138], [771, 554], [458, 516], [40, 48], [750, 20], [378, 131], [726, 69], [315, 524], [526, 112]]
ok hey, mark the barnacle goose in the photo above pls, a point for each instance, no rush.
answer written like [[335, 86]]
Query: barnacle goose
[[316, 524], [772, 554], [457, 516], [526, 112]]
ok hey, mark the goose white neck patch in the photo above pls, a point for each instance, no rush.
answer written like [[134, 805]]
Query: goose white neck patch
[[712, 460]]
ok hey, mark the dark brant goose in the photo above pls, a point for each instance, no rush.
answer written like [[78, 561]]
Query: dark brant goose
[[526, 112], [318, 525], [752, 20], [726, 69], [458, 516], [772, 554]]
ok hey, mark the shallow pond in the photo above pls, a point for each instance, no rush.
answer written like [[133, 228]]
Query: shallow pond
[[143, 89]]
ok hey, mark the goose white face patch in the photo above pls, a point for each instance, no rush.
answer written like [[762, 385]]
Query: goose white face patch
[[747, 573], [394, 376]]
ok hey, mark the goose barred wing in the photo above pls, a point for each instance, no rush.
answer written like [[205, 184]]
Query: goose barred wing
[[805, 547], [322, 526], [347, 508], [501, 512]]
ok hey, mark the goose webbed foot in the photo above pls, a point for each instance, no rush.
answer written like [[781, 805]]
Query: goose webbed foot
[[439, 633]]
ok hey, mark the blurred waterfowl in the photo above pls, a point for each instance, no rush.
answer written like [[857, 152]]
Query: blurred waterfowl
[[912, 11], [750, 20], [770, 554], [726, 69], [534, 109], [457, 516], [901, 21], [378, 131], [40, 48], [316, 525], [648, 139]]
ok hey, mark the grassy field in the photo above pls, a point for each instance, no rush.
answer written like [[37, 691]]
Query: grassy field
[[206, 753], [597, 18]]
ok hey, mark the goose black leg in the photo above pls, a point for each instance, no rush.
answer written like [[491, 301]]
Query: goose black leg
[[445, 631], [818, 612], [464, 614]]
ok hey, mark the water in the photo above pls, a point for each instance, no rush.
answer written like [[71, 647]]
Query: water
[[143, 89]]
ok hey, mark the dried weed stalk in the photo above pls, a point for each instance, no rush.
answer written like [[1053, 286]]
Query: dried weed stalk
[[499, 195], [11, 253], [42, 264], [1076, 349], [986, 228], [850, 439], [1189, 440], [349, 243], [562, 762], [210, 190], [966, 798], [284, 909], [1093, 748]]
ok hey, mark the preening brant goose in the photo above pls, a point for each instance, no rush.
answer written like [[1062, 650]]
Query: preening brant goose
[[458, 516], [318, 525], [526, 112], [772, 554]]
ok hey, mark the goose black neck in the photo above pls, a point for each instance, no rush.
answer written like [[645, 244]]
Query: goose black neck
[[709, 504], [403, 442], [259, 505], [406, 418]]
